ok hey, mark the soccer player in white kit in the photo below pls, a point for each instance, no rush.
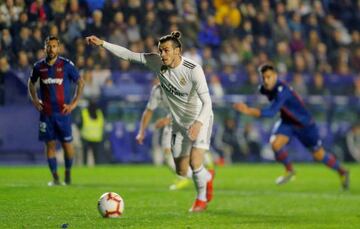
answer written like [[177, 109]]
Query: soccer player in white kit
[[184, 84], [158, 99]]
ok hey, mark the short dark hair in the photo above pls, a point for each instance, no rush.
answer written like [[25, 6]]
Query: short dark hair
[[51, 38], [174, 37], [265, 67]]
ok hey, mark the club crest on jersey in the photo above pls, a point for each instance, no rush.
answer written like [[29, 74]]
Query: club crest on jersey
[[171, 89], [182, 81]]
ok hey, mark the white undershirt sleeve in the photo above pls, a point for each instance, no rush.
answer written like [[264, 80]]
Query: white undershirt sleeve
[[151, 60], [203, 92], [124, 53], [206, 109]]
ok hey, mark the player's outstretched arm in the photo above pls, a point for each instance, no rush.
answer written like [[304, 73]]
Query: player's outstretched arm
[[117, 50], [245, 109]]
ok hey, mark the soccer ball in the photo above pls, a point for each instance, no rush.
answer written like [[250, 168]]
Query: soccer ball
[[111, 205]]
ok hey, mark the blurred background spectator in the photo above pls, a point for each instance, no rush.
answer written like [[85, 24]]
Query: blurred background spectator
[[92, 125]]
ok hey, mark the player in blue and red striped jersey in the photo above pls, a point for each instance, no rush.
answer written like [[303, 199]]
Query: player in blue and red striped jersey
[[295, 121], [56, 101]]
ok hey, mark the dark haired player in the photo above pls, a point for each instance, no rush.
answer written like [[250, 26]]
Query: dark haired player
[[55, 104], [295, 121]]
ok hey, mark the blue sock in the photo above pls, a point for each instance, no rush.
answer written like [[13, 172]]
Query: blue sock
[[282, 157], [330, 161], [53, 167], [68, 163]]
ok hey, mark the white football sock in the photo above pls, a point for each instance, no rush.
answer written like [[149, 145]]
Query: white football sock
[[200, 177], [189, 173]]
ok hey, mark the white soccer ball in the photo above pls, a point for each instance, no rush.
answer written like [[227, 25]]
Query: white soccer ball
[[111, 205]]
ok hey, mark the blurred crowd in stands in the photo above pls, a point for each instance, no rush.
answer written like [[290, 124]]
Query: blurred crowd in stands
[[309, 41]]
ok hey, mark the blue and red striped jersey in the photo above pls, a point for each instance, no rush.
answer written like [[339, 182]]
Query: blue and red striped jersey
[[55, 83], [288, 102]]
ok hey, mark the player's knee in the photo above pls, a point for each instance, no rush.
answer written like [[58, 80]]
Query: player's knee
[[181, 172], [278, 142], [51, 154], [276, 147], [195, 164], [51, 149], [319, 154], [274, 144]]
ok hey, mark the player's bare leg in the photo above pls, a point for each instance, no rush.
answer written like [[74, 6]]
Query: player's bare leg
[[330, 161], [278, 142], [181, 181], [51, 157], [182, 165], [185, 181], [203, 180], [69, 157]]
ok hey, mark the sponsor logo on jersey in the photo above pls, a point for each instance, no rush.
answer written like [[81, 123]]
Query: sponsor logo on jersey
[[171, 89], [43, 70], [52, 81], [59, 69]]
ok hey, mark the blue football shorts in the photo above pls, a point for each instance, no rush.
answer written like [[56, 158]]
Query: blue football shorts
[[308, 135], [55, 127]]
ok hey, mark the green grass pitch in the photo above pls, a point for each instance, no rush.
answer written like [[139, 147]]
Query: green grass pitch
[[245, 197]]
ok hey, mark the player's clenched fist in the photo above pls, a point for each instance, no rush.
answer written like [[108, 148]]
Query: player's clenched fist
[[94, 40], [38, 104], [140, 138]]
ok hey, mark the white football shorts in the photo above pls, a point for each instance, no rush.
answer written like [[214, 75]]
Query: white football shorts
[[181, 145]]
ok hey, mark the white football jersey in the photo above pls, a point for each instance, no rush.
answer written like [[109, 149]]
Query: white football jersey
[[185, 86], [182, 86]]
